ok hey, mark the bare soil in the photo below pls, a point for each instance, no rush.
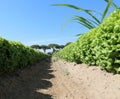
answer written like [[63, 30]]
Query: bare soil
[[58, 79]]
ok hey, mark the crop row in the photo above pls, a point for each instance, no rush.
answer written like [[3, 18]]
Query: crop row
[[100, 46], [14, 55]]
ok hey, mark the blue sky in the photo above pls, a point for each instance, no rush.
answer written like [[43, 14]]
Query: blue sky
[[37, 22]]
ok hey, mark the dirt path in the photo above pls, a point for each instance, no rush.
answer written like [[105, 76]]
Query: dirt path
[[58, 79], [82, 82], [25, 84]]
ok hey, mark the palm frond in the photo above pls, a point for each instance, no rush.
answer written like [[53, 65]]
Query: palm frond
[[109, 2], [96, 19], [80, 34], [112, 4], [66, 22], [74, 7], [93, 22], [81, 9], [84, 22]]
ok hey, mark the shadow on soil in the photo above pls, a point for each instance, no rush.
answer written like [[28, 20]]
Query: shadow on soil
[[28, 83]]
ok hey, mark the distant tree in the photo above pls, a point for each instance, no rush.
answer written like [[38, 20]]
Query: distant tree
[[61, 46], [50, 53], [58, 46], [53, 46], [44, 47], [36, 46]]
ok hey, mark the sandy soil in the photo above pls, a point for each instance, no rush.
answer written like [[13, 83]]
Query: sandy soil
[[57, 79]]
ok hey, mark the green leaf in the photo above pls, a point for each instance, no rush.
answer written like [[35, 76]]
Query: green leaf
[[96, 19], [84, 22], [80, 9], [74, 7], [109, 2], [80, 34], [93, 22], [112, 4]]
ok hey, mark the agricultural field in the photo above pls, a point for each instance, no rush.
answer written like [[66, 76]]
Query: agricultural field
[[87, 67], [55, 78]]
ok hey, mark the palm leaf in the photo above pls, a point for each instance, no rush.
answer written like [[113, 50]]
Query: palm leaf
[[112, 4], [80, 9], [109, 2], [88, 21], [80, 34], [84, 22], [74, 7], [93, 22], [96, 19], [66, 22], [85, 25]]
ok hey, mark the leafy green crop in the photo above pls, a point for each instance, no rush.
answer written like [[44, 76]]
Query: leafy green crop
[[14, 55], [100, 46]]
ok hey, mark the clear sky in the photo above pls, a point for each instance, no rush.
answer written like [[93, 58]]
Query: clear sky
[[37, 22]]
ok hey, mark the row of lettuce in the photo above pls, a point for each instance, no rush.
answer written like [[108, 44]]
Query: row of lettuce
[[100, 46], [14, 55]]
